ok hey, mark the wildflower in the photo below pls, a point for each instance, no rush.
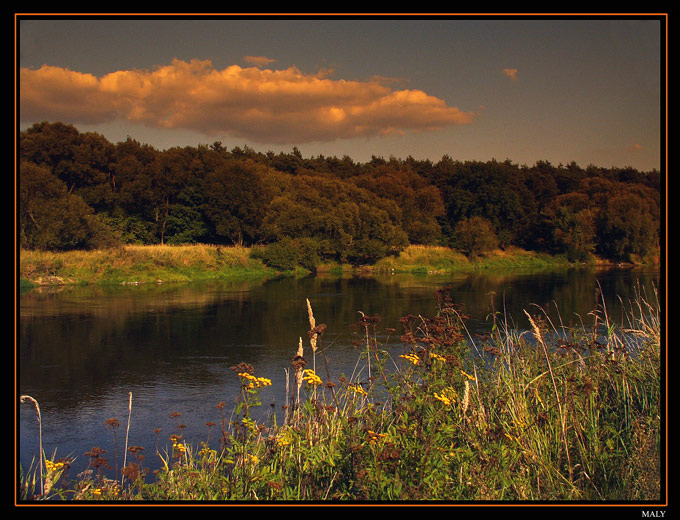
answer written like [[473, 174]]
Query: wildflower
[[131, 471], [178, 445], [447, 396], [443, 399], [251, 381], [97, 491], [411, 357], [357, 389], [374, 437], [471, 378], [112, 423], [311, 378], [285, 438], [434, 355], [207, 452], [53, 467]]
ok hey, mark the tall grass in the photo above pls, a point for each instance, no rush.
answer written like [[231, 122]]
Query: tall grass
[[139, 264], [546, 413], [437, 259]]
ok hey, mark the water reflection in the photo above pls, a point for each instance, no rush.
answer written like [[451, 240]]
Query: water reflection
[[83, 349]]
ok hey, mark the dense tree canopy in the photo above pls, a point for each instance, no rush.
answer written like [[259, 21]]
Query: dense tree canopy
[[78, 190]]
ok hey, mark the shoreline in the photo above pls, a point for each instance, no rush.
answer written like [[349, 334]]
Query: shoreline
[[135, 265]]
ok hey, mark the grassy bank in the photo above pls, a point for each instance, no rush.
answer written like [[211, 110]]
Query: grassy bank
[[550, 414], [153, 264], [433, 259], [138, 264]]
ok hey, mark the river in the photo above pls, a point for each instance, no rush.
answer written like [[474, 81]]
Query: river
[[82, 350]]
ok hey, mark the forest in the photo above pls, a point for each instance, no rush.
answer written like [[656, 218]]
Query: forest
[[77, 190]]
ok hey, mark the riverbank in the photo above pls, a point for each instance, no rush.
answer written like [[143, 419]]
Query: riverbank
[[133, 264]]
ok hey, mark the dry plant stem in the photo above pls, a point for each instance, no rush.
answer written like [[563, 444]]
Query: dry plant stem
[[313, 335], [286, 417], [298, 373], [368, 348], [537, 334], [127, 432], [23, 399]]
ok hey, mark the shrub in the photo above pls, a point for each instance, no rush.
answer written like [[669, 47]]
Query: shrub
[[475, 236], [289, 253]]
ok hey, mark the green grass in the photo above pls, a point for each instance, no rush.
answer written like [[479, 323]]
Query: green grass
[[549, 414], [139, 264]]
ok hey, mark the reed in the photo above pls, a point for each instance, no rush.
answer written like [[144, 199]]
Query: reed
[[25, 399]]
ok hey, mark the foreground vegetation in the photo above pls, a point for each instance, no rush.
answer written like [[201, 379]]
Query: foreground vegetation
[[550, 413]]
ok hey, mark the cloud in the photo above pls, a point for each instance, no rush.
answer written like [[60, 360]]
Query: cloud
[[511, 73], [258, 61], [266, 106]]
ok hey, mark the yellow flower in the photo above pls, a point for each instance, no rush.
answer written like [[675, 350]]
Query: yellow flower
[[53, 466], [443, 399], [357, 389], [436, 356], [311, 378], [254, 382], [411, 357], [447, 396], [471, 378], [207, 452], [97, 491], [285, 438]]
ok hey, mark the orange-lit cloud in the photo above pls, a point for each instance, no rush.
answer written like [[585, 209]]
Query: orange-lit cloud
[[268, 106], [511, 73], [258, 61]]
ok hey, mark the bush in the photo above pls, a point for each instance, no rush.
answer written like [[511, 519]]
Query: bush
[[366, 251], [475, 236], [289, 253]]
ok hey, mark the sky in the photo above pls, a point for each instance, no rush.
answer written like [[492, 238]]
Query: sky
[[520, 88]]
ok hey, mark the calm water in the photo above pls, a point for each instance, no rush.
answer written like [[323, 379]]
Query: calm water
[[83, 349]]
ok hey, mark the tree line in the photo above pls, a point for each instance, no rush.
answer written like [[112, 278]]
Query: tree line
[[77, 190]]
